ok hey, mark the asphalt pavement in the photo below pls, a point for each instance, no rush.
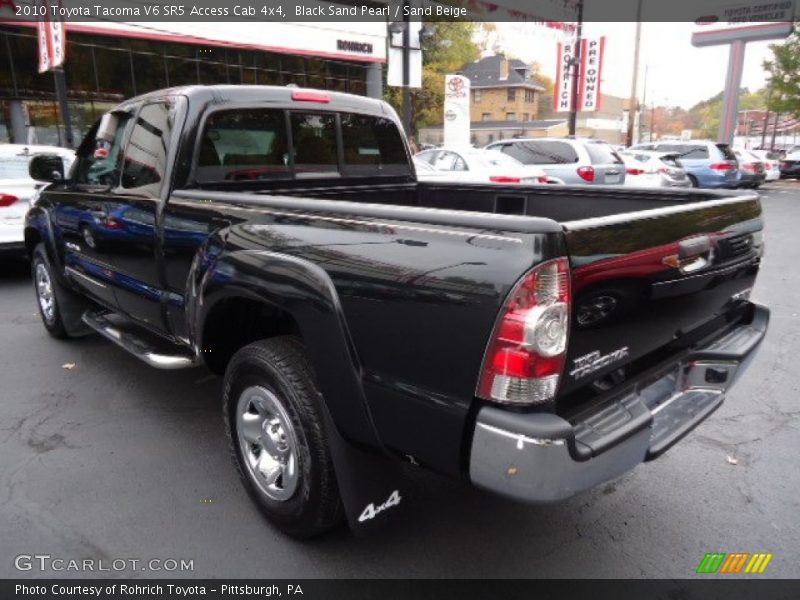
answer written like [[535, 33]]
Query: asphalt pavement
[[111, 459]]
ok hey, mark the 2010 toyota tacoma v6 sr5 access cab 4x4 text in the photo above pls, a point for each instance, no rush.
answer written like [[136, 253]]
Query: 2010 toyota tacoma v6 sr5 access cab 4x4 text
[[537, 340]]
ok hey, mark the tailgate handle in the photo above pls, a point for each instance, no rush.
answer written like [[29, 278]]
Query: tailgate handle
[[693, 254], [695, 246]]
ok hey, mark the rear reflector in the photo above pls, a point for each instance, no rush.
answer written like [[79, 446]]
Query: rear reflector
[[586, 173], [721, 167], [311, 96], [7, 199], [527, 350], [504, 179]]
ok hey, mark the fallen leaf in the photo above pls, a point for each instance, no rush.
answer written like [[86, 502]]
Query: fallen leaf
[[732, 461], [68, 366]]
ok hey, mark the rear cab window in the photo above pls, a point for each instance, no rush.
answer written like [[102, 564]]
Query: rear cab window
[[271, 143]]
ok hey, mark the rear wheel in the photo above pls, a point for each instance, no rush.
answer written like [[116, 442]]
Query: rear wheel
[[59, 307], [693, 180], [273, 413]]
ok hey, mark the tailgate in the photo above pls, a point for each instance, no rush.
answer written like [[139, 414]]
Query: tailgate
[[648, 283]]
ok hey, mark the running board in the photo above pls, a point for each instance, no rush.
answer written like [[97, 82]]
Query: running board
[[145, 346]]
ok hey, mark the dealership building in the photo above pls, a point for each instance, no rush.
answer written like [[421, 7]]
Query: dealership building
[[107, 62]]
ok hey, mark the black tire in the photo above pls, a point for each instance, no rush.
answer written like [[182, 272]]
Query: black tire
[[64, 320], [280, 367], [693, 180]]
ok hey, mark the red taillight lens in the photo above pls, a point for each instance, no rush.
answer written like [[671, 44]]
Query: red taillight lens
[[634, 171], [526, 353], [7, 199], [311, 96], [721, 167], [748, 167], [504, 179], [586, 173], [768, 166], [112, 223], [542, 179]]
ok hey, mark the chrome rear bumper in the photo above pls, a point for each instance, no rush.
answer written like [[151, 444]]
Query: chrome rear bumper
[[541, 457]]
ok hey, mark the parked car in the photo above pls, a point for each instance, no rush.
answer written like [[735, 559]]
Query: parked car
[[653, 169], [707, 164], [790, 163], [579, 160], [751, 169], [535, 340], [772, 164], [475, 165], [17, 189]]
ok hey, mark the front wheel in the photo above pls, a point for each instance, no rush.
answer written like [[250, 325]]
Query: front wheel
[[59, 307], [276, 431]]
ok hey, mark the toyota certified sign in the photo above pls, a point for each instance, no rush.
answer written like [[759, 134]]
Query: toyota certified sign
[[744, 21]]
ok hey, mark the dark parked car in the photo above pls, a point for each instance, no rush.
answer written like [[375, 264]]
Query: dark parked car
[[751, 169], [790, 163], [534, 340]]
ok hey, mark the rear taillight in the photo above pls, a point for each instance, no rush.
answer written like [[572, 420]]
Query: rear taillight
[[768, 166], [586, 173], [526, 354], [504, 179], [542, 179], [7, 199], [634, 171], [310, 96], [721, 167], [750, 167]]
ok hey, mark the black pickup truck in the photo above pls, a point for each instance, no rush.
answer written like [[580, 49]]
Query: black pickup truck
[[534, 340]]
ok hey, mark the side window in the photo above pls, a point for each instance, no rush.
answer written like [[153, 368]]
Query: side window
[[145, 159], [557, 152], [99, 157], [459, 164], [241, 145], [314, 142], [372, 145], [445, 161]]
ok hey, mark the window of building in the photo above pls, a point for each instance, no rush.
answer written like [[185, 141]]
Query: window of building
[[146, 153], [477, 96], [511, 94], [486, 117], [530, 96], [511, 116], [526, 117]]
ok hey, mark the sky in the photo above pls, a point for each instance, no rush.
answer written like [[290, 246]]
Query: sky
[[678, 74]]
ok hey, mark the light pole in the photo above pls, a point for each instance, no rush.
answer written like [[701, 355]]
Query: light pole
[[575, 63], [404, 27], [633, 103]]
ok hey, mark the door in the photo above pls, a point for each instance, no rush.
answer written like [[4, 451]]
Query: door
[[135, 209], [85, 226]]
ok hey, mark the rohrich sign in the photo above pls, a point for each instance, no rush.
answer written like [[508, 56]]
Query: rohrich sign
[[735, 25]]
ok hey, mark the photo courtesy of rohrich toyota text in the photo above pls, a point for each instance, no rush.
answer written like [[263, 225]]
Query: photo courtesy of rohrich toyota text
[[399, 299]]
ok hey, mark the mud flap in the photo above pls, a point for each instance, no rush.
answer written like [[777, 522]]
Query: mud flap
[[371, 484]]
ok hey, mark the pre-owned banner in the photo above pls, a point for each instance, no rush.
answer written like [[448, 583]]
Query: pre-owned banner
[[591, 73]]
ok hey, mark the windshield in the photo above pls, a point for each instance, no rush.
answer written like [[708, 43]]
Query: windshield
[[602, 154]]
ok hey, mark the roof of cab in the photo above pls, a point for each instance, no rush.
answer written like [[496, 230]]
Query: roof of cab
[[243, 94]]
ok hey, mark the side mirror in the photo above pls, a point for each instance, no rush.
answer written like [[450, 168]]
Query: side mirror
[[46, 167]]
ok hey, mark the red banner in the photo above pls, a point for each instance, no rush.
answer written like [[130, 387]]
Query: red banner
[[52, 38]]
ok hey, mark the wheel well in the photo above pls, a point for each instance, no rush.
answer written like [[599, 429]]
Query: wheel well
[[235, 322], [32, 238]]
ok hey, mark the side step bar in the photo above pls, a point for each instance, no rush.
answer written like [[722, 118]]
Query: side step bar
[[144, 345]]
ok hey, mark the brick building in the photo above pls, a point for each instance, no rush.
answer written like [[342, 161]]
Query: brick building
[[502, 90]]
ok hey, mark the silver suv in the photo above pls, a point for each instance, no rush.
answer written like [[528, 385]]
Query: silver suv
[[576, 160]]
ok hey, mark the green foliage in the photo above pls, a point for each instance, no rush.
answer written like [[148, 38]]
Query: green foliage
[[784, 75], [447, 51]]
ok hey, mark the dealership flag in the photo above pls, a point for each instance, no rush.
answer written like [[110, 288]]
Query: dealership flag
[[562, 91], [590, 75], [52, 39]]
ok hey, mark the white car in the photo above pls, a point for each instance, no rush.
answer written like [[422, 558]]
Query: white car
[[772, 166], [653, 169], [17, 190], [474, 165]]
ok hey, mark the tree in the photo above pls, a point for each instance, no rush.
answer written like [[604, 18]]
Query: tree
[[784, 75], [447, 51]]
